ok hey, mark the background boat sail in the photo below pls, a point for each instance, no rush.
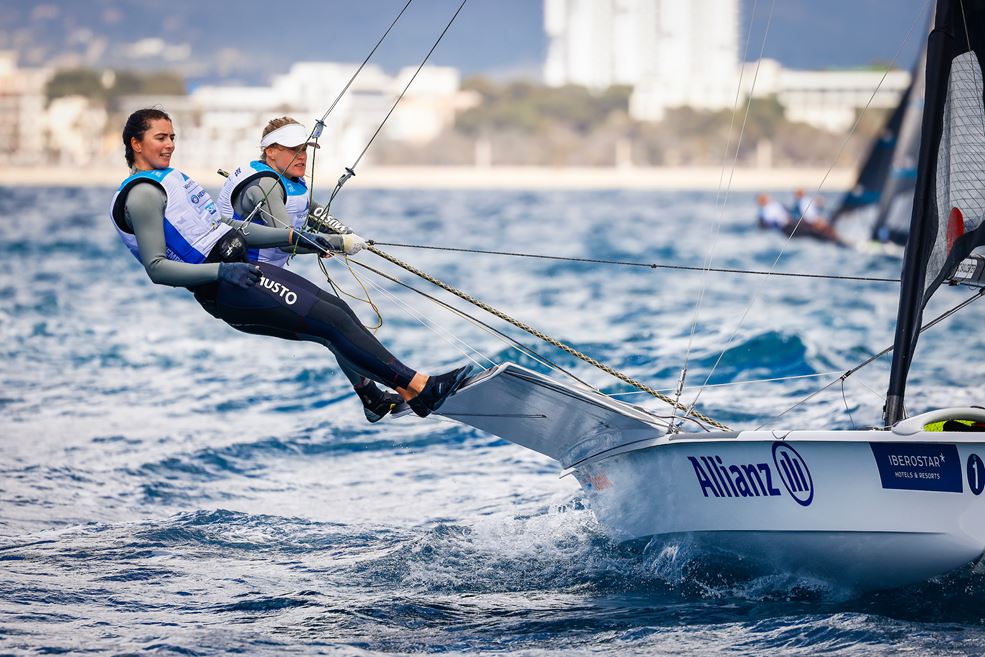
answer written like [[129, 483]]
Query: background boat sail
[[866, 508], [889, 174]]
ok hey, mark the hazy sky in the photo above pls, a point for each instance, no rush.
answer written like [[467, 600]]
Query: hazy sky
[[252, 39]]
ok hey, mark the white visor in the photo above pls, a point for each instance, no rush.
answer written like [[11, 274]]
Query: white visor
[[291, 135]]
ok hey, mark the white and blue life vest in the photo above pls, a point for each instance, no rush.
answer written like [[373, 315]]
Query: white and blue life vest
[[191, 218], [295, 200]]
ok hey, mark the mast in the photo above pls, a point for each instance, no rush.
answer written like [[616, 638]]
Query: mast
[[948, 204]]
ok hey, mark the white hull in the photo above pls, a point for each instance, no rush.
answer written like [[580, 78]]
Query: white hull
[[869, 509], [833, 517]]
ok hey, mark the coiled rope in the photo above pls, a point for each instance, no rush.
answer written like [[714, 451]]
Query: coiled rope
[[625, 378]]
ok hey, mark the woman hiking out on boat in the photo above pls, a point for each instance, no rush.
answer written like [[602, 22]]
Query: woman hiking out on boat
[[271, 191], [172, 226]]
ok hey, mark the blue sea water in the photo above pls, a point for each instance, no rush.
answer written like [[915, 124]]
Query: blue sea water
[[170, 486]]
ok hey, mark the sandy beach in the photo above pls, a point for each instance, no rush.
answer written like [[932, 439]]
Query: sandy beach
[[380, 177]]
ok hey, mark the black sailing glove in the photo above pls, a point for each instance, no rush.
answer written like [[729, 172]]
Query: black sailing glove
[[314, 242], [240, 274]]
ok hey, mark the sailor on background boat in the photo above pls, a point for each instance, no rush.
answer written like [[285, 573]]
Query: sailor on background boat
[[771, 213], [808, 208], [271, 191], [808, 211], [172, 226]]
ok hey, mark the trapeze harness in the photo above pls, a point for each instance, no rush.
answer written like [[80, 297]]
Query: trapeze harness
[[295, 200], [282, 304]]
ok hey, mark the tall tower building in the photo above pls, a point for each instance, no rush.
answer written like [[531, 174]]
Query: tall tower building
[[598, 43], [673, 52]]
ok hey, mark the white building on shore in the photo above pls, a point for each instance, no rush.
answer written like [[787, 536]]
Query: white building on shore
[[830, 100], [22, 111], [685, 53], [672, 52], [599, 43], [696, 62], [220, 126]]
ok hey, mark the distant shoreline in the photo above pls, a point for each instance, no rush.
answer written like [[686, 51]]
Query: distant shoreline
[[534, 178]]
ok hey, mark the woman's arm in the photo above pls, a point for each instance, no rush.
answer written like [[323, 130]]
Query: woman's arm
[[266, 193]]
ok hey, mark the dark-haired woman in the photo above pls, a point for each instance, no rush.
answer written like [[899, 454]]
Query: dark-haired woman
[[175, 230], [271, 191]]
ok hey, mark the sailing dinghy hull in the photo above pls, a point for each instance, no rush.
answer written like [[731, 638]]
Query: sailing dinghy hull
[[866, 509], [862, 509]]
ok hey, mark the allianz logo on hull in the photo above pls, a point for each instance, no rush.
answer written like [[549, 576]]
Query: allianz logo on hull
[[720, 479]]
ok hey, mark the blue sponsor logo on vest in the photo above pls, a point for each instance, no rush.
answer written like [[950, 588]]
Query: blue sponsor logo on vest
[[720, 479]]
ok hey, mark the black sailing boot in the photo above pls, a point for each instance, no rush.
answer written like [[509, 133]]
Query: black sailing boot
[[377, 403], [437, 390]]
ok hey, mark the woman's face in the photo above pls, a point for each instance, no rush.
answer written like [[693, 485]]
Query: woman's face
[[290, 161], [153, 150]]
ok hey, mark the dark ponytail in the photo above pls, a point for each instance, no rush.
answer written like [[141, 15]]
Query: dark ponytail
[[137, 124]]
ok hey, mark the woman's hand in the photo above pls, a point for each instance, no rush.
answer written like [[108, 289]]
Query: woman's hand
[[240, 274]]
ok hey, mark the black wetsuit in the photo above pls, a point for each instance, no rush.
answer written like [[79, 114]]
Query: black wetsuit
[[282, 304]]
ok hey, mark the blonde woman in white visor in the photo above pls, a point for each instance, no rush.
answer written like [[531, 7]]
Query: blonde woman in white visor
[[272, 191]]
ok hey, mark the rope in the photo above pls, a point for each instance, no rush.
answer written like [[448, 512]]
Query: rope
[[316, 132], [340, 292], [320, 124], [359, 70], [648, 265], [546, 338], [515, 344], [464, 347]]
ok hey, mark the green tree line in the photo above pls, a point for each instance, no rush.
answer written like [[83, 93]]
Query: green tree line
[[108, 86], [524, 123]]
